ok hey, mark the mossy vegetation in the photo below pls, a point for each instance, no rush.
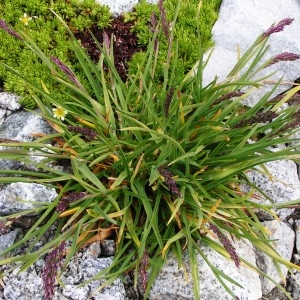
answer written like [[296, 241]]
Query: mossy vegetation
[[185, 31], [48, 33], [52, 38]]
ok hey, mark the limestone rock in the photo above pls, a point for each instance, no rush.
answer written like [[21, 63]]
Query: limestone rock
[[238, 26], [21, 126], [22, 196], [281, 185], [7, 240], [118, 7], [284, 238], [81, 270], [171, 282], [9, 101]]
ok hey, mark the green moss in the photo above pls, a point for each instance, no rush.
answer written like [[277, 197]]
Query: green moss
[[52, 38], [185, 31]]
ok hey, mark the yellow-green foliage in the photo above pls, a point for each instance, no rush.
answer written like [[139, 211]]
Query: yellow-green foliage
[[51, 36], [185, 31], [48, 33]]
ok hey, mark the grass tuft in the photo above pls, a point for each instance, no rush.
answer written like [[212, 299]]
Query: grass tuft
[[156, 165]]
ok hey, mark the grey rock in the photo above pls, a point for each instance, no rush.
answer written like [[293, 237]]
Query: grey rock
[[284, 238], [21, 126], [295, 141], [8, 164], [21, 196], [3, 114], [9, 101], [8, 104], [23, 286], [6, 240], [277, 294], [28, 285], [245, 21], [92, 251], [119, 7], [294, 285], [82, 270], [37, 159], [281, 185], [172, 283]]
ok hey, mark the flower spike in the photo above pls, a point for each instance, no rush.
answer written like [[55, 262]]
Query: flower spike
[[10, 31], [278, 28]]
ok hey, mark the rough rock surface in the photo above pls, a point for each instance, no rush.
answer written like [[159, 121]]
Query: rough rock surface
[[297, 230], [118, 7], [21, 196], [6, 240], [284, 238], [171, 283], [8, 103], [238, 26], [28, 285], [280, 185], [22, 126], [84, 270]]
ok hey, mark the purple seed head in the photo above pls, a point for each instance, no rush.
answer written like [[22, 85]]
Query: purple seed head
[[227, 244], [66, 70], [165, 23], [168, 101], [143, 276], [67, 199], [153, 28], [170, 182], [153, 22], [278, 27], [53, 263], [106, 40], [260, 117], [10, 31], [285, 56], [228, 96], [295, 123], [88, 133]]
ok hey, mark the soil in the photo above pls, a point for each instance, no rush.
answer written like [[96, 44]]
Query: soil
[[1, 86], [125, 43]]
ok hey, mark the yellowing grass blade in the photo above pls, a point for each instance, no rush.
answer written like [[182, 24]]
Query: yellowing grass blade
[[176, 237], [175, 211]]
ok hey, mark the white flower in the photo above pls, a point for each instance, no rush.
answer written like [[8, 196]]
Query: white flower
[[25, 19], [59, 112]]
